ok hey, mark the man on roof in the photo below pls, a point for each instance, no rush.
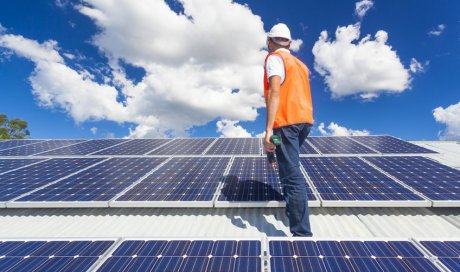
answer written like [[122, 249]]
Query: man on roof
[[289, 116]]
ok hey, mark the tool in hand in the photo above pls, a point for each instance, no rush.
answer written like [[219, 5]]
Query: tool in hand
[[276, 140]]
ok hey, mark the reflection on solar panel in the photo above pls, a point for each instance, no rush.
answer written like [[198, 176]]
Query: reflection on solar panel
[[185, 255], [434, 180], [51, 255], [235, 146], [310, 255], [184, 147], [390, 145], [21, 181], [349, 181], [134, 147], [84, 148], [32, 149], [99, 183], [180, 179], [252, 182], [306, 148], [4, 144], [447, 252], [10, 164], [338, 145]]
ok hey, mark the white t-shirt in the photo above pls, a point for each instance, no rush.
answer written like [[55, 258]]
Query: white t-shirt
[[275, 66]]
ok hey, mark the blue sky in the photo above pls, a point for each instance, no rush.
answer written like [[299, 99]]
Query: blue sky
[[112, 56]]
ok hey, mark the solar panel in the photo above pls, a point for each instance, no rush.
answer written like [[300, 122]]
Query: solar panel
[[184, 147], [93, 187], [390, 145], [307, 148], [184, 182], [11, 164], [438, 182], [134, 147], [185, 255], [55, 255], [26, 150], [252, 182], [4, 144], [21, 181], [330, 255], [447, 252], [235, 146], [84, 148], [338, 145], [349, 181]]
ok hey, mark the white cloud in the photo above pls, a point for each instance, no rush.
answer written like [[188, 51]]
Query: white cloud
[[449, 116], [362, 7], [295, 45], [61, 3], [193, 60], [351, 66], [2, 29], [438, 31], [336, 130], [231, 129], [93, 130], [417, 67]]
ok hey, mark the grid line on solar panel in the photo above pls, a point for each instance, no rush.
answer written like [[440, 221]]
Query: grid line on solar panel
[[390, 145], [184, 147], [26, 150], [347, 255], [446, 252], [352, 179], [436, 181], [100, 183], [307, 148], [185, 255], [21, 181], [7, 144], [7, 165], [180, 179], [83, 148], [338, 145], [235, 146], [251, 179], [133, 147]]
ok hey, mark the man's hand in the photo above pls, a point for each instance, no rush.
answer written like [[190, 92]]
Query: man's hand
[[269, 146]]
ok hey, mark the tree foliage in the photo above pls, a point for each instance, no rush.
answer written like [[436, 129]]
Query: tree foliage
[[13, 129]]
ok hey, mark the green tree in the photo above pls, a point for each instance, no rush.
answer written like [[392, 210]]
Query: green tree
[[13, 129]]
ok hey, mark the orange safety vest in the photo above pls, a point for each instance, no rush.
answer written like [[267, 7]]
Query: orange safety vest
[[295, 105]]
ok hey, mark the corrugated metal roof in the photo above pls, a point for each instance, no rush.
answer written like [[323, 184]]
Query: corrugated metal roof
[[238, 222]]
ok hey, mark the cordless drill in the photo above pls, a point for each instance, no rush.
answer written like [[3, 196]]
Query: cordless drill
[[276, 140]]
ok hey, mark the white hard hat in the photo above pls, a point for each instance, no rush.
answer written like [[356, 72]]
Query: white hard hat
[[280, 31]]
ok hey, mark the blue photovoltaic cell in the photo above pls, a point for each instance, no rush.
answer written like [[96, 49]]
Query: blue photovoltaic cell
[[99, 183], [185, 255], [51, 255], [338, 145], [32, 149], [184, 147], [84, 148], [134, 147], [180, 179], [390, 145], [447, 252], [253, 179], [432, 179], [310, 255], [235, 146], [10, 164], [21, 181], [350, 178], [306, 148], [4, 144]]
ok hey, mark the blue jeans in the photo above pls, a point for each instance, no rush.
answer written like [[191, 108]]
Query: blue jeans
[[292, 180]]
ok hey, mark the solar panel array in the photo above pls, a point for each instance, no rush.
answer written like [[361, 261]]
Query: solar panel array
[[332, 255], [11, 164], [134, 147], [338, 145], [184, 147], [447, 252], [235, 146], [31, 149], [390, 145], [15, 143], [84, 148]]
